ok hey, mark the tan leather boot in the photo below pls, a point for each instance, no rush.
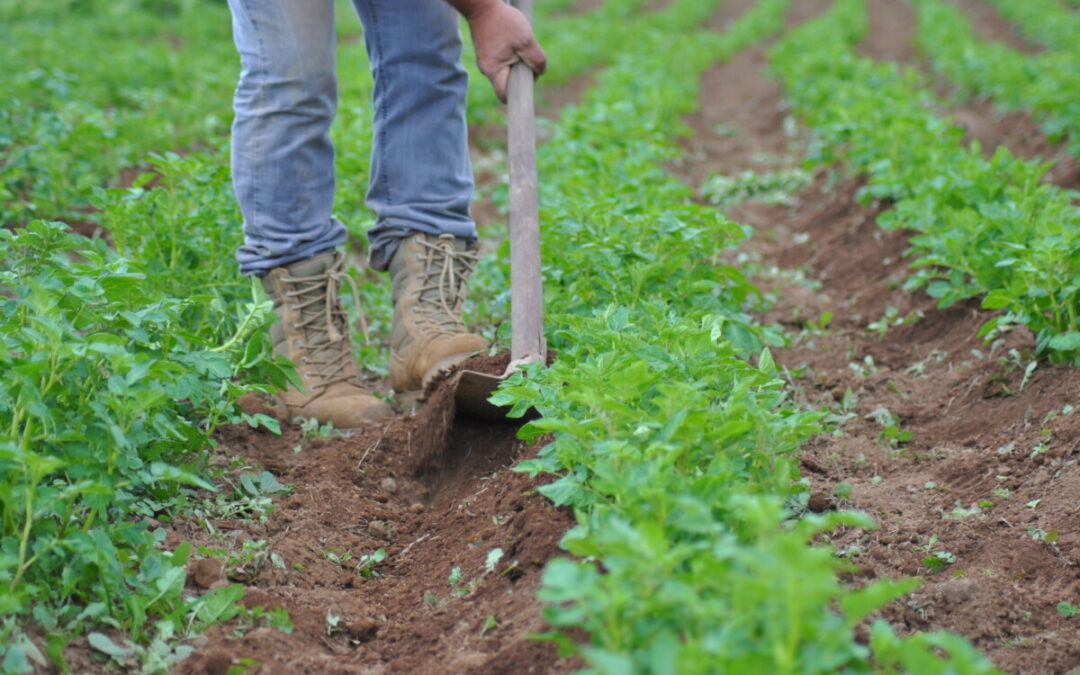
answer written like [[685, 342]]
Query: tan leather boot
[[429, 274], [313, 333]]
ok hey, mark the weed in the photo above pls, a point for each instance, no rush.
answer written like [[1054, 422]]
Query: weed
[[938, 561], [1068, 610], [776, 187]]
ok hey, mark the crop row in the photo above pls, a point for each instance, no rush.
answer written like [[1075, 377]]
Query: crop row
[[1047, 84], [1048, 23], [985, 228], [674, 437]]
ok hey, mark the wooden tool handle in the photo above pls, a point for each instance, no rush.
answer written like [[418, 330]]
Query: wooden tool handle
[[526, 283]]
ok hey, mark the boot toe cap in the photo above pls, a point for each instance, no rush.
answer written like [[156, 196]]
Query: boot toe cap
[[435, 357], [349, 412]]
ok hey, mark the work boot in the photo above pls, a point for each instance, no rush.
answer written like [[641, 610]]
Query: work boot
[[429, 274], [313, 333]]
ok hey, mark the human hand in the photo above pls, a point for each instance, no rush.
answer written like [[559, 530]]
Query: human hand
[[502, 37]]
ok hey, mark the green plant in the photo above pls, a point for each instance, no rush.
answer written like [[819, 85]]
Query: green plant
[[365, 567], [938, 561], [107, 401], [776, 187]]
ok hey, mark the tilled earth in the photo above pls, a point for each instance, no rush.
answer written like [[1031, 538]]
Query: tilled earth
[[448, 505], [989, 475]]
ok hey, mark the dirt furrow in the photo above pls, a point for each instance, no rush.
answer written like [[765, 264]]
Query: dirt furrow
[[978, 501], [990, 25], [316, 554]]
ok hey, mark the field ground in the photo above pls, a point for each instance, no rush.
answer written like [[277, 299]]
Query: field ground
[[962, 401], [985, 484]]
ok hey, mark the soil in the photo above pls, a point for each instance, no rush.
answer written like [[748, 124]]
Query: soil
[[435, 493], [990, 471]]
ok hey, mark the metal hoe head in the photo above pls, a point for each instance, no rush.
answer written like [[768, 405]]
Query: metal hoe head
[[473, 388]]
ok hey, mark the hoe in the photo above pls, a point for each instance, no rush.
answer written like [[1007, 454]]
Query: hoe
[[527, 345]]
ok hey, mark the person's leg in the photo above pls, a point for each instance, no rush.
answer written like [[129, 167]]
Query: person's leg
[[283, 174], [282, 158], [421, 177], [421, 184]]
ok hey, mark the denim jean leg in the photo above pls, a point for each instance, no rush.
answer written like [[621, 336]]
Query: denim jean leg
[[282, 158], [421, 176]]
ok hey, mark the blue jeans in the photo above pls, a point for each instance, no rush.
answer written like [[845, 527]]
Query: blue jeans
[[283, 160]]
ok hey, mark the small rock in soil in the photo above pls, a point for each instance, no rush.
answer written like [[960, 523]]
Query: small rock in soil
[[377, 528], [362, 629], [417, 508], [820, 503], [956, 591], [206, 572], [217, 662], [389, 485]]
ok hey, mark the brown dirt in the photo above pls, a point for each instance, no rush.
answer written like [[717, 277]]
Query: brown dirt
[[357, 494], [981, 437], [990, 25]]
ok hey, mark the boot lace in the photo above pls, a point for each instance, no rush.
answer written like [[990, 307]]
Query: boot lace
[[441, 296], [325, 342]]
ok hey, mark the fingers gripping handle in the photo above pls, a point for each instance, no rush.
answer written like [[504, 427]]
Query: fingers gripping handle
[[526, 284]]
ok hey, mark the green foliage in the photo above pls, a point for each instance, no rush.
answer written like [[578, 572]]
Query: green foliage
[[107, 400], [988, 228], [674, 439], [777, 187], [1048, 23], [71, 119]]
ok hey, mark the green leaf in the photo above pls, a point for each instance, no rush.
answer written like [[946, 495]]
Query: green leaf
[[167, 472], [859, 604], [1068, 342], [103, 644], [997, 299], [218, 605], [939, 289], [15, 660]]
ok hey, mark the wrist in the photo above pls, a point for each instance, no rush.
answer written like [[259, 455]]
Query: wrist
[[471, 9]]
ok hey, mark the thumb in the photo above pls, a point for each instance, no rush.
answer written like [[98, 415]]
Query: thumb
[[499, 80]]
